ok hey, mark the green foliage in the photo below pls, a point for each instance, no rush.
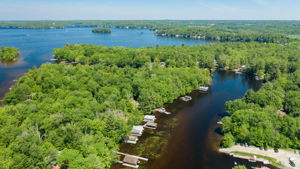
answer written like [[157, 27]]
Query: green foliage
[[9, 54], [292, 102], [77, 115], [228, 140], [239, 167], [255, 119], [101, 30]]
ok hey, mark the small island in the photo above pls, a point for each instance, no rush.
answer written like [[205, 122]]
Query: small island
[[9, 54], [101, 30]]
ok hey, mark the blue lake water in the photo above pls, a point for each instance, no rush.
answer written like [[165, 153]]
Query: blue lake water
[[36, 45]]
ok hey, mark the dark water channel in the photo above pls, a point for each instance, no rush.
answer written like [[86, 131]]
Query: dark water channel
[[188, 139]]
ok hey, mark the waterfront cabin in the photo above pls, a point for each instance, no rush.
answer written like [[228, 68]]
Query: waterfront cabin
[[131, 139], [186, 98], [203, 88], [150, 125], [148, 118], [137, 130]]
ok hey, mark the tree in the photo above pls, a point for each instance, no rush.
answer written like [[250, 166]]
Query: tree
[[239, 167]]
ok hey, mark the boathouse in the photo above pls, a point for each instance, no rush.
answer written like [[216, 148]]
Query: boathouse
[[137, 130], [150, 125], [149, 118], [131, 139]]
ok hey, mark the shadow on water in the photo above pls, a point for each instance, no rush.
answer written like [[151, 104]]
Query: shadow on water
[[187, 139]]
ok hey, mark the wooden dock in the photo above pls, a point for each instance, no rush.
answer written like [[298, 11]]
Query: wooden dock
[[130, 160], [140, 158]]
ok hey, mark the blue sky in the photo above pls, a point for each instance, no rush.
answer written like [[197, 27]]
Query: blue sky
[[149, 9]]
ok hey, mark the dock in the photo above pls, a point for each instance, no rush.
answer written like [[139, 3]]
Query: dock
[[186, 98], [131, 160], [150, 125], [162, 110]]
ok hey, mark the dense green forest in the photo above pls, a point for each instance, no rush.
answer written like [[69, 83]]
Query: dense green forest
[[243, 31], [9, 54], [278, 64], [101, 30], [76, 115], [266, 60], [269, 117]]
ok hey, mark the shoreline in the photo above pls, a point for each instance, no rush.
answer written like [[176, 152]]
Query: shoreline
[[282, 157]]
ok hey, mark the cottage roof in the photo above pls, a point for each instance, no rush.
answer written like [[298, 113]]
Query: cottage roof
[[131, 137], [149, 117]]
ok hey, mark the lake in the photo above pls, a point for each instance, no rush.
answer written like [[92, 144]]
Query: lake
[[36, 45]]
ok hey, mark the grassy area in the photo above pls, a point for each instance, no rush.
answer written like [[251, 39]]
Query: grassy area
[[272, 160]]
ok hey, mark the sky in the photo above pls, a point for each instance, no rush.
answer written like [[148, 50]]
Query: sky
[[149, 9]]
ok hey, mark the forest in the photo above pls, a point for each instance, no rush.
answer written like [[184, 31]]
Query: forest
[[265, 60], [9, 54], [269, 117], [101, 30], [75, 114]]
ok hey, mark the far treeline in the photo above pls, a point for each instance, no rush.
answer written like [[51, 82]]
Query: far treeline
[[74, 116], [9, 54], [224, 31], [212, 34]]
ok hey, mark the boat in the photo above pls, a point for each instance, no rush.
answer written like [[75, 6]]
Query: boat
[[186, 98], [203, 88]]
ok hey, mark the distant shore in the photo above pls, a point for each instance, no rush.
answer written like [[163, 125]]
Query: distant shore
[[281, 157]]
